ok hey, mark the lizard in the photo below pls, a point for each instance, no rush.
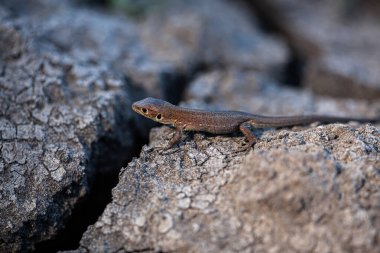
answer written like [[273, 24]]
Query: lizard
[[224, 122]]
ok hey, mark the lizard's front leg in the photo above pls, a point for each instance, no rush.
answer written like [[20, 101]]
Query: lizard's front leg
[[245, 129], [176, 138]]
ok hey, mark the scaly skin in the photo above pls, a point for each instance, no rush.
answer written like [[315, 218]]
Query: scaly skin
[[222, 122]]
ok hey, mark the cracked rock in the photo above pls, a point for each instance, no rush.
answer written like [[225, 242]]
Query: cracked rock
[[57, 108]]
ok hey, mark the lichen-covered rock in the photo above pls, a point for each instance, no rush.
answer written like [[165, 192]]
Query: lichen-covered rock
[[339, 40], [312, 190]]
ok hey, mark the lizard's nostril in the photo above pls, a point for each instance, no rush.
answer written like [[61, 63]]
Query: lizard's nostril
[[158, 116], [144, 110]]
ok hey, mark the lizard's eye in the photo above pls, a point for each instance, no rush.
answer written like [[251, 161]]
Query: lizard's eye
[[159, 116], [144, 110]]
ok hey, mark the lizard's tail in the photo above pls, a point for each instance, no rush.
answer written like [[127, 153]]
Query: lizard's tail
[[263, 122]]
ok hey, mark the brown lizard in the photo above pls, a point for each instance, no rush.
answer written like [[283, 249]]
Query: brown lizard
[[223, 122]]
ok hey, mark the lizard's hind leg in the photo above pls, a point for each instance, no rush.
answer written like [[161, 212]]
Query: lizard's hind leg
[[245, 129]]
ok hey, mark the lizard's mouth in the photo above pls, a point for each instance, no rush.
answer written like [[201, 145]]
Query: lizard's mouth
[[140, 110]]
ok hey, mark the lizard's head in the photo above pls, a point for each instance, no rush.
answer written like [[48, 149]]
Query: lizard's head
[[154, 109]]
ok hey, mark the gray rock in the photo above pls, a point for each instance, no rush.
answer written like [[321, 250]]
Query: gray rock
[[311, 190], [339, 40], [57, 106], [212, 33], [171, 45]]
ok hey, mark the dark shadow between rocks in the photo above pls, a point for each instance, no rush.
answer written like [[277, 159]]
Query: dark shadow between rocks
[[294, 71]]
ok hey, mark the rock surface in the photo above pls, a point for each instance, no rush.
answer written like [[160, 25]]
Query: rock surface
[[59, 105], [339, 40], [213, 33], [311, 190]]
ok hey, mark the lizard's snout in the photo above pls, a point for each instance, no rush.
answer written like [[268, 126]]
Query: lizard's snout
[[136, 107]]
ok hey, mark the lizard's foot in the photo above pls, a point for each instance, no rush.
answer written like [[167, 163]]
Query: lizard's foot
[[244, 149], [246, 146]]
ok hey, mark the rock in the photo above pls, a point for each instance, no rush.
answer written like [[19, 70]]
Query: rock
[[105, 40], [339, 41], [169, 47], [58, 108], [296, 191], [212, 33]]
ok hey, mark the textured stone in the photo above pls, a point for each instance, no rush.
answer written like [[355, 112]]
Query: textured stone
[[56, 106], [283, 196]]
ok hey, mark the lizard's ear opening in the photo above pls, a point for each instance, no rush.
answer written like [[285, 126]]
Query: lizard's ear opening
[[159, 116]]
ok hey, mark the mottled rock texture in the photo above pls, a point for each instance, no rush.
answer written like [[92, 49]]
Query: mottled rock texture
[[311, 190], [338, 39]]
